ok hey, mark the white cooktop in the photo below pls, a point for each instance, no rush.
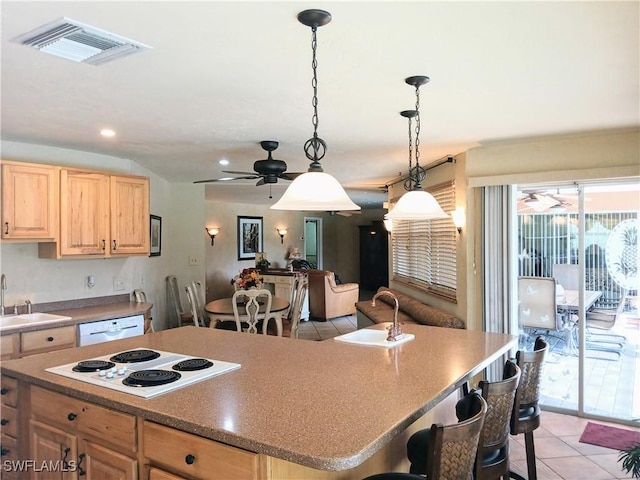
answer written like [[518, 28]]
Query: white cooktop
[[114, 376]]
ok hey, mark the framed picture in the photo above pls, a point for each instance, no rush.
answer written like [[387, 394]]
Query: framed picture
[[155, 231], [249, 237]]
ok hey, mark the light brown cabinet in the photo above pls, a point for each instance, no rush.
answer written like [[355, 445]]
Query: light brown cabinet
[[9, 422], [89, 440], [101, 215], [174, 452], [29, 202], [19, 345]]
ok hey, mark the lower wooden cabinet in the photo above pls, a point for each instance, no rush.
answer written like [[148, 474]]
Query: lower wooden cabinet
[[182, 453], [47, 340], [81, 439]]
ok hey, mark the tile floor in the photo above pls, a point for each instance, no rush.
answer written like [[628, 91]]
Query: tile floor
[[559, 454]]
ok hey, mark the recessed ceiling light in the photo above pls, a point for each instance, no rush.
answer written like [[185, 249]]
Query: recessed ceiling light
[[224, 161], [107, 132]]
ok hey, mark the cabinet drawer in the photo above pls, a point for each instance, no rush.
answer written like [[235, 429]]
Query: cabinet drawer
[[285, 280], [9, 346], [195, 456], [9, 421], [9, 391], [9, 448], [48, 339], [110, 426]]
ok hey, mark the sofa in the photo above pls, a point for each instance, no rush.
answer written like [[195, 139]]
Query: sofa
[[410, 311], [329, 300]]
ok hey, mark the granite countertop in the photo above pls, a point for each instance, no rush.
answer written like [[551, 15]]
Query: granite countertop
[[84, 315], [326, 405]]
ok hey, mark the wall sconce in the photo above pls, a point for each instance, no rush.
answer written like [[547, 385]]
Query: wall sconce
[[459, 218], [282, 232], [212, 231]]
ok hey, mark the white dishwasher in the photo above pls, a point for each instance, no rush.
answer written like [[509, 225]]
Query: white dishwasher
[[108, 330]]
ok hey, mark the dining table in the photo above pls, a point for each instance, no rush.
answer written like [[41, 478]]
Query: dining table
[[568, 304], [221, 310]]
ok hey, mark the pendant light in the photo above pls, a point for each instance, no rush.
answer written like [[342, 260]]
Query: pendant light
[[315, 190], [416, 204]]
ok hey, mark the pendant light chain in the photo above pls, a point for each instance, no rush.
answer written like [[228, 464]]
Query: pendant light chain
[[315, 148], [418, 174], [408, 183]]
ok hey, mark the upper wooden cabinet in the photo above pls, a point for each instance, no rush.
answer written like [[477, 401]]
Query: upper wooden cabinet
[[29, 201], [129, 215], [101, 215]]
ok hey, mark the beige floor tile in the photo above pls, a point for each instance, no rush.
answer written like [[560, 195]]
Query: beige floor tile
[[610, 463], [561, 425], [553, 447], [578, 468], [584, 448], [542, 470]]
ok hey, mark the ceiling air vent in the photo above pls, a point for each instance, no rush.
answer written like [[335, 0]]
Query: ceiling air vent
[[76, 41]]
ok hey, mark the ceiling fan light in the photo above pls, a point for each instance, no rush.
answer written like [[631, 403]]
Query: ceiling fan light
[[417, 205], [315, 191]]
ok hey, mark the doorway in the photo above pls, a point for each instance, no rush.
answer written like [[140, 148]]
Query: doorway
[[313, 241], [590, 230]]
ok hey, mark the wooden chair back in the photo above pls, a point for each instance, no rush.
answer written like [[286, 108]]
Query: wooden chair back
[[526, 412], [249, 311], [297, 303]]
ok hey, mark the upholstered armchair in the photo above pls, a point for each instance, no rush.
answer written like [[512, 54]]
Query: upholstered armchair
[[328, 300]]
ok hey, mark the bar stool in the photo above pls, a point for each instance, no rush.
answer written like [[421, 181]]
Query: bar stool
[[525, 417], [448, 451], [492, 460]]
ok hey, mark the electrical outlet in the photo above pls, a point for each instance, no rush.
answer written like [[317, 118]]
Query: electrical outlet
[[118, 284], [194, 262]]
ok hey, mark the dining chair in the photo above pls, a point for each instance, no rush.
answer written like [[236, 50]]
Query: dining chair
[[600, 323], [246, 309], [567, 275], [297, 303], [525, 417], [492, 460], [141, 297], [448, 451], [173, 295], [198, 319], [199, 298]]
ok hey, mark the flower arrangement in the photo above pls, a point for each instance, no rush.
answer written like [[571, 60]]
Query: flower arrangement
[[249, 277]]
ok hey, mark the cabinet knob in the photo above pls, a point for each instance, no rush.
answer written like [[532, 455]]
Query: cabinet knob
[[49, 339], [4, 421], [6, 228], [4, 452], [4, 391], [115, 245], [71, 417], [189, 459]]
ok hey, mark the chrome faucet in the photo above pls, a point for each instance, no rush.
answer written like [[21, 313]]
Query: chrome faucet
[[395, 330], [3, 287], [28, 304]]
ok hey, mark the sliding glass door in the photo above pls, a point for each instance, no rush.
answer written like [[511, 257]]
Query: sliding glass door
[[585, 238]]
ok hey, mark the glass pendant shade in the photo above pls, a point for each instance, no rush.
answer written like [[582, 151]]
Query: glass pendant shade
[[416, 205], [315, 191]]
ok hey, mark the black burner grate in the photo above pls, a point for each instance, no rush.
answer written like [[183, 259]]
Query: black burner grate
[[151, 378], [93, 366], [135, 356], [192, 364]]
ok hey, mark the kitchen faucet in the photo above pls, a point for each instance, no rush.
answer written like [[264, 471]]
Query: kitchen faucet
[[3, 287], [395, 330]]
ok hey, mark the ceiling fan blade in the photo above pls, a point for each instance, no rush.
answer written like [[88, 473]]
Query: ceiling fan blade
[[260, 182], [290, 175], [241, 173], [226, 179]]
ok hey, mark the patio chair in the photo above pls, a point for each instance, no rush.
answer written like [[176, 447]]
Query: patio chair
[[537, 306], [600, 322], [567, 275]]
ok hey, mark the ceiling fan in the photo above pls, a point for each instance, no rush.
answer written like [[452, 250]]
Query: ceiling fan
[[268, 171], [542, 200]]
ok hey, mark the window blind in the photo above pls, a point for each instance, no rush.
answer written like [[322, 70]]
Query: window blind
[[424, 251]]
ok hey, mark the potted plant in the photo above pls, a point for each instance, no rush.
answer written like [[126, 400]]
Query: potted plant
[[630, 459]]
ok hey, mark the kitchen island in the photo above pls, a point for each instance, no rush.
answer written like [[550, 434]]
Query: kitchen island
[[294, 409]]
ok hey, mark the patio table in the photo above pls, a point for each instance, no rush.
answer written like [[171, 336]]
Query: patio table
[[568, 304]]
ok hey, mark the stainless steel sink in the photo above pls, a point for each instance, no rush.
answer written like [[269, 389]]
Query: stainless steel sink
[[373, 338], [13, 321]]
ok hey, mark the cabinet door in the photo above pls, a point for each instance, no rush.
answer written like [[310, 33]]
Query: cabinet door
[[84, 216], [129, 215], [102, 463], [53, 447], [29, 202]]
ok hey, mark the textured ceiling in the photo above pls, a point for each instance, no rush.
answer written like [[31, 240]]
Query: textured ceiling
[[222, 76]]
